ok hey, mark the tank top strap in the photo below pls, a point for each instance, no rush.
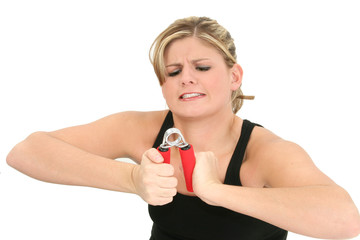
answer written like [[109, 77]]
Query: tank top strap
[[168, 123], [232, 176]]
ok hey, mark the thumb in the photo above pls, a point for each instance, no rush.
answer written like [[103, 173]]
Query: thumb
[[154, 155]]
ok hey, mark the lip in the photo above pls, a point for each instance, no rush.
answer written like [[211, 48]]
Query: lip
[[189, 96]]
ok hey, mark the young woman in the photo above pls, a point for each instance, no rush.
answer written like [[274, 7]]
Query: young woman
[[248, 182]]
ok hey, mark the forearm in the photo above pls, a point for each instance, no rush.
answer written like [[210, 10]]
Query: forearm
[[317, 211], [49, 159]]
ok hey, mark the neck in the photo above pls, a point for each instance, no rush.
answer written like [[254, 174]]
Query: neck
[[209, 133]]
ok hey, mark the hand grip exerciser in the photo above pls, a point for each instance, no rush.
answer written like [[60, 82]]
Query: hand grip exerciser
[[186, 153]]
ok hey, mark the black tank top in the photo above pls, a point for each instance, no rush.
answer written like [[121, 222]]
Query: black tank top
[[189, 218]]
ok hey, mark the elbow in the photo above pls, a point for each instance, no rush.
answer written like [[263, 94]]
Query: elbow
[[353, 230], [347, 229], [12, 159], [343, 219], [351, 226], [16, 157]]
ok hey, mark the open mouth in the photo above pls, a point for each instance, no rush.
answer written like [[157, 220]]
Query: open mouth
[[191, 95]]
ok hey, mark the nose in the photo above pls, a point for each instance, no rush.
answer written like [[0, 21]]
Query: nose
[[187, 77]]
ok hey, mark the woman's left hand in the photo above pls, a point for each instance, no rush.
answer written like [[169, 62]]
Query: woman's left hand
[[206, 176]]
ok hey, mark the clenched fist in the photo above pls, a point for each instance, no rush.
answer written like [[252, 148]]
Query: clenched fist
[[206, 176], [154, 180]]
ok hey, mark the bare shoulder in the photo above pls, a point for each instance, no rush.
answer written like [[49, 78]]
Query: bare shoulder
[[282, 163], [124, 134]]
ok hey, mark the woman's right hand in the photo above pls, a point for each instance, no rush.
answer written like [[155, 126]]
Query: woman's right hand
[[154, 180]]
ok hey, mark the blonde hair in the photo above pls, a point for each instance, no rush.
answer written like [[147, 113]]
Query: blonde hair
[[203, 28]]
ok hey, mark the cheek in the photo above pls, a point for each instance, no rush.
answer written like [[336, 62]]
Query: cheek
[[163, 90], [220, 84], [166, 89], [224, 91]]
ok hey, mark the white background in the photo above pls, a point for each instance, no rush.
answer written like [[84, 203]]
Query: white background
[[64, 63]]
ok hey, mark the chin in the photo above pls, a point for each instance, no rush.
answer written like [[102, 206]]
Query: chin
[[192, 112]]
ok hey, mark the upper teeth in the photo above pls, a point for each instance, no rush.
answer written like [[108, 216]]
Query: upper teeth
[[189, 95]]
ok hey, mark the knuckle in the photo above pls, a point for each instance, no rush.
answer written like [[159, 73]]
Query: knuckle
[[171, 169], [168, 200], [173, 192], [168, 169], [173, 182], [145, 154]]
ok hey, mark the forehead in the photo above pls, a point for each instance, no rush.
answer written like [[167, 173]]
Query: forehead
[[190, 48]]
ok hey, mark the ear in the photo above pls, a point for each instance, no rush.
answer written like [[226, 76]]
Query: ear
[[236, 76]]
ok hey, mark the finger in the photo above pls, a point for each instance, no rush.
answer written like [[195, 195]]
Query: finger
[[165, 170], [154, 156], [168, 182], [161, 201], [162, 196], [168, 193]]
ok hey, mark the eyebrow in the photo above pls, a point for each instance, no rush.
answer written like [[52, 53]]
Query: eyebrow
[[192, 61]]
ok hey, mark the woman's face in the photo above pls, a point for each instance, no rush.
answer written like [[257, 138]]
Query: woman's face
[[197, 80]]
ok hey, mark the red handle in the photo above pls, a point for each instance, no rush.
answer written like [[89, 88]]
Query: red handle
[[188, 162], [165, 152]]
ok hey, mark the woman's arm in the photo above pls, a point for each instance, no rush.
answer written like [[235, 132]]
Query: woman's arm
[[50, 159], [83, 155], [295, 196]]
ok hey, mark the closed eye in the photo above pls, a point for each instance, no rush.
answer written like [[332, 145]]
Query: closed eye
[[174, 73], [203, 68]]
